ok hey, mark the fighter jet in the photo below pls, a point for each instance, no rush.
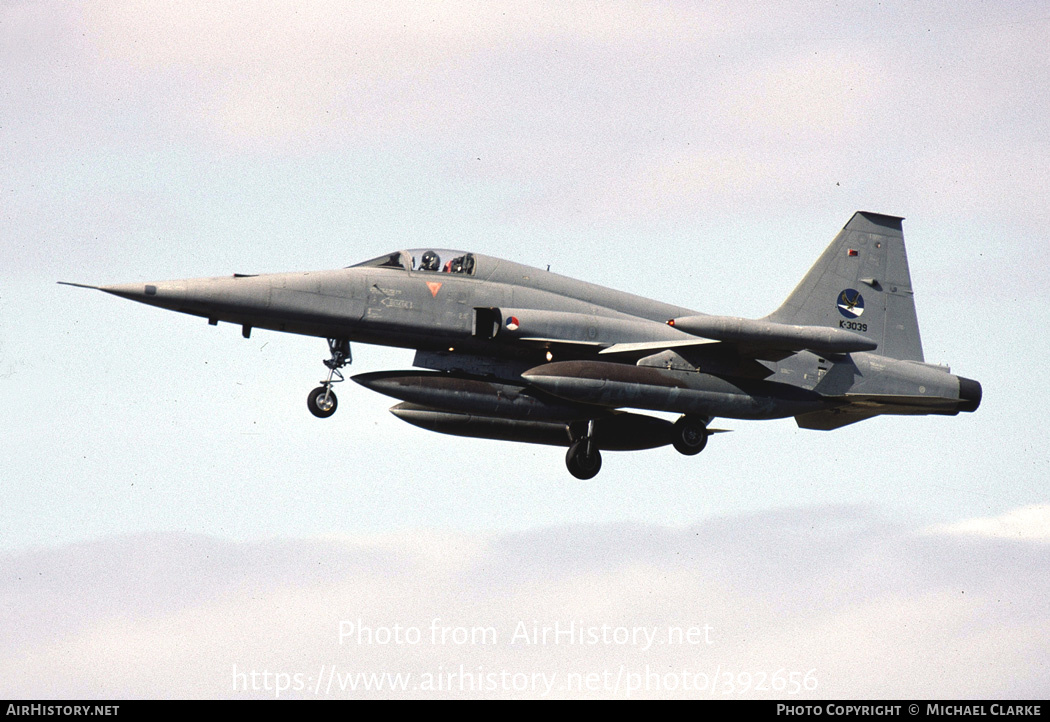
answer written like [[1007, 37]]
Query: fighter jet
[[506, 351]]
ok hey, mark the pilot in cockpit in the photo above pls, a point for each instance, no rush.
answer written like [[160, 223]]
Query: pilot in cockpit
[[430, 262], [461, 264]]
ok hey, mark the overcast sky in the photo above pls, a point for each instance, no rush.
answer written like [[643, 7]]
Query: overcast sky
[[163, 479]]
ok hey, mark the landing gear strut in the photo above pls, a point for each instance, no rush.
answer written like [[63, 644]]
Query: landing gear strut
[[583, 459], [321, 401], [689, 435]]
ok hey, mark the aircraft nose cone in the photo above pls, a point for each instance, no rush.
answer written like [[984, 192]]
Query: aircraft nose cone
[[970, 394]]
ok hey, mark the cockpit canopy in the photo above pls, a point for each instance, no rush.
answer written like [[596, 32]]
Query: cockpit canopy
[[427, 260]]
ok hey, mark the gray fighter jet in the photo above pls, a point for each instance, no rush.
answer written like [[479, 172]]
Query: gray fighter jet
[[521, 354]]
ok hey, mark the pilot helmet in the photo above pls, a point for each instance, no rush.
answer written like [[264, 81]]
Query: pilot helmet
[[430, 261]]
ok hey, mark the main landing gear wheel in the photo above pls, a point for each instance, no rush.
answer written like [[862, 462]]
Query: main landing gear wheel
[[322, 402], [690, 435], [581, 464]]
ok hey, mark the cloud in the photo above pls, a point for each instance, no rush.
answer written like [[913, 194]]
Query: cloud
[[585, 111], [274, 73], [1030, 524], [836, 599]]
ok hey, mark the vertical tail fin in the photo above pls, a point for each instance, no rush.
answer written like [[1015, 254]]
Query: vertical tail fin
[[861, 283]]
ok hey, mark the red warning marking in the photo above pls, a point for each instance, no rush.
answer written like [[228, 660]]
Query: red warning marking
[[434, 287]]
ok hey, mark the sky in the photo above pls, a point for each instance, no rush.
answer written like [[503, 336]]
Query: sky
[[171, 513]]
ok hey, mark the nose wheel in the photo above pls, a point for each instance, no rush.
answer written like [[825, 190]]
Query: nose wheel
[[322, 401]]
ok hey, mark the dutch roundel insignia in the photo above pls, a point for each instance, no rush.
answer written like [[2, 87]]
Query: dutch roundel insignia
[[851, 303]]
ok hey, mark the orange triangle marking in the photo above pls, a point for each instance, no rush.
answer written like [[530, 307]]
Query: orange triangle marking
[[434, 287]]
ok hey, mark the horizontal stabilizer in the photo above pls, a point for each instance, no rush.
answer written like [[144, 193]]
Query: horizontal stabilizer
[[858, 407], [833, 419], [901, 403]]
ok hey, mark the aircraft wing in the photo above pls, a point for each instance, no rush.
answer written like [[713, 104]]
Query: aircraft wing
[[645, 348], [561, 342], [729, 359]]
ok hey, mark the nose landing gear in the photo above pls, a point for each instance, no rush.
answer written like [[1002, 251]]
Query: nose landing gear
[[322, 401]]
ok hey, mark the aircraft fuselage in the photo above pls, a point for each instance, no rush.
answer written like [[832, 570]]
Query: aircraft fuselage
[[523, 354]]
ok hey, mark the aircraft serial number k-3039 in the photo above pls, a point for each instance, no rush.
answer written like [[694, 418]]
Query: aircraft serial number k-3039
[[516, 353]]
